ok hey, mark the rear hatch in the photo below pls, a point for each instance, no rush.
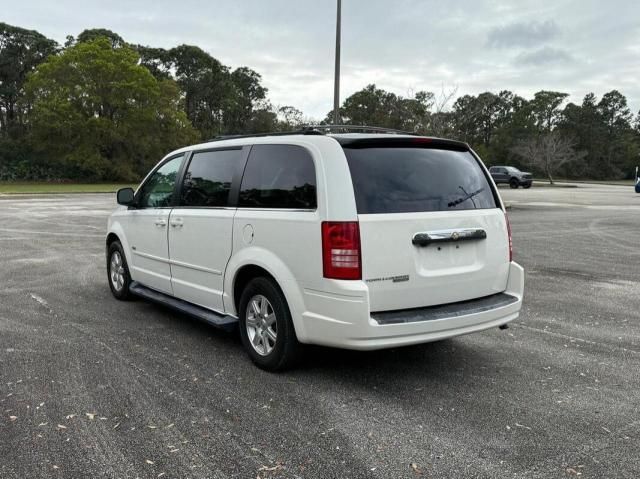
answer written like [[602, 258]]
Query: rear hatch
[[431, 228]]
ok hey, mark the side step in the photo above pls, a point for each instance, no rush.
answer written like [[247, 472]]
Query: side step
[[210, 317]]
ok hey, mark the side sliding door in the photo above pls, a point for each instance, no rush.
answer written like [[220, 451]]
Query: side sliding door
[[201, 225]]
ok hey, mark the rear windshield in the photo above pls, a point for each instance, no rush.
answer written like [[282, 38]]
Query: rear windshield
[[408, 179]]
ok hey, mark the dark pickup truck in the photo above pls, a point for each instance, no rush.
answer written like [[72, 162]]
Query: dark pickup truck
[[511, 175]]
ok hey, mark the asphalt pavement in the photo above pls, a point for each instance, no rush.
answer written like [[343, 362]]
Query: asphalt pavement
[[97, 388]]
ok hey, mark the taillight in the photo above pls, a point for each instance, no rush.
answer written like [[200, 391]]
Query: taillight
[[510, 239], [341, 250]]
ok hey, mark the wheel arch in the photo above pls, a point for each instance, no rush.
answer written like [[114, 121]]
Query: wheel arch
[[252, 264], [243, 276], [112, 238], [116, 233]]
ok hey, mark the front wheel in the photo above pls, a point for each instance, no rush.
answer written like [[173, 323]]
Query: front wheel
[[118, 271], [266, 328], [528, 185], [514, 183]]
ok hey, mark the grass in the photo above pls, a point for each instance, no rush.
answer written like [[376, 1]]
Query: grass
[[600, 182], [42, 188]]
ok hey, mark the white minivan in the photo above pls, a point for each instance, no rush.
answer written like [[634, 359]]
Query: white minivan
[[353, 240]]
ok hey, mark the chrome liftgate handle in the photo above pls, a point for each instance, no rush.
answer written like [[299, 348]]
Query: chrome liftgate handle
[[448, 236]]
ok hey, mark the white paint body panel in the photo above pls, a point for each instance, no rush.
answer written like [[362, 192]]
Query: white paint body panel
[[288, 245], [438, 273], [148, 249], [199, 249]]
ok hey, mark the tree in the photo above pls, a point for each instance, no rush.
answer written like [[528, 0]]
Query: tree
[[376, 107], [548, 152], [217, 100], [603, 129], [616, 118], [246, 96], [21, 51], [545, 108], [91, 34], [477, 118], [263, 119], [99, 115], [156, 60], [440, 121], [289, 118]]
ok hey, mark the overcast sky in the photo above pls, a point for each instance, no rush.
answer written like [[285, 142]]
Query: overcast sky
[[402, 46]]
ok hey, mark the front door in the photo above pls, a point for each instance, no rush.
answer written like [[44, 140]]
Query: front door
[[147, 228], [200, 227]]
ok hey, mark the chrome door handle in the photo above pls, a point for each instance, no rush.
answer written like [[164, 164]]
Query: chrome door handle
[[160, 223], [177, 224]]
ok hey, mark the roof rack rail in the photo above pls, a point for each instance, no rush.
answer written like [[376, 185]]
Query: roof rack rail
[[318, 130], [302, 131], [358, 128]]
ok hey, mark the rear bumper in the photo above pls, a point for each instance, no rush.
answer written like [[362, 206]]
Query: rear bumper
[[345, 321]]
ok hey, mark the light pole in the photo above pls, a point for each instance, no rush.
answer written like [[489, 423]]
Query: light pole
[[336, 85]]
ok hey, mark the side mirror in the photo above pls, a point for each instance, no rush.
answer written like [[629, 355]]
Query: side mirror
[[125, 196]]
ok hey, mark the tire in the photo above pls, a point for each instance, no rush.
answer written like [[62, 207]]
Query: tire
[[119, 280], [514, 183], [271, 349], [528, 185]]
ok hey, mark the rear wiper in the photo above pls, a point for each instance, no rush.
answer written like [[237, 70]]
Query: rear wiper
[[462, 199]]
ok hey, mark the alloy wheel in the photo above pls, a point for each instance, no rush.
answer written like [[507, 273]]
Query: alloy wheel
[[116, 271], [261, 325]]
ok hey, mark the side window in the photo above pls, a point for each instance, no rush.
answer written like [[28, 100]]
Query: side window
[[207, 181], [279, 176], [158, 190]]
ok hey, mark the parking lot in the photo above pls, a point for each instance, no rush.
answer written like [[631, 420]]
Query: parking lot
[[93, 387]]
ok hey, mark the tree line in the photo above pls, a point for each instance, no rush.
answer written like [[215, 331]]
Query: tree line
[[596, 139], [101, 109]]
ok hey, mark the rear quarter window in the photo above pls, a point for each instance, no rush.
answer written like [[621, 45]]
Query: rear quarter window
[[414, 179], [279, 176]]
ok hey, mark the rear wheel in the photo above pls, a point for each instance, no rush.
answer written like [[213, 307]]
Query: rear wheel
[[118, 271], [514, 183], [266, 328]]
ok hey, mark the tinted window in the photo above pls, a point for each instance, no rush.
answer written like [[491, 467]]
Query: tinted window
[[403, 180], [279, 176], [157, 192], [208, 178]]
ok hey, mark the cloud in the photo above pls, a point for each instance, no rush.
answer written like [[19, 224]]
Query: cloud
[[544, 56], [521, 34], [475, 45]]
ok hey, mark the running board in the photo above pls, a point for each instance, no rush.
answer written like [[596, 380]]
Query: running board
[[217, 320]]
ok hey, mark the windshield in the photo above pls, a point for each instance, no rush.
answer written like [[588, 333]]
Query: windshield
[[513, 169], [407, 179]]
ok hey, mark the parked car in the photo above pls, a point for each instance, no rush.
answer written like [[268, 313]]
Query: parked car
[[359, 241], [511, 175]]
